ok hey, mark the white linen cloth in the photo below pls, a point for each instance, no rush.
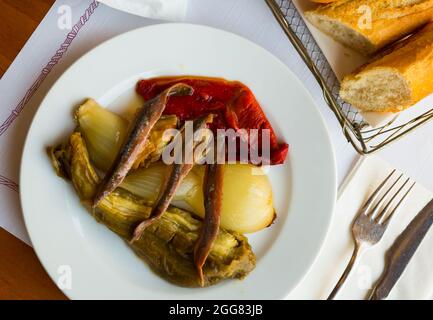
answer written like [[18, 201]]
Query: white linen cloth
[[173, 10], [417, 280]]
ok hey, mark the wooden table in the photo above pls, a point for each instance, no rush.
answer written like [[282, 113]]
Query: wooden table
[[21, 274]]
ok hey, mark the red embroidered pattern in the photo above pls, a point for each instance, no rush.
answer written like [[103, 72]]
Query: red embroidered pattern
[[43, 74]]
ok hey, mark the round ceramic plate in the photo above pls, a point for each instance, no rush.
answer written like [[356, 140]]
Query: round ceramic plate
[[89, 261]]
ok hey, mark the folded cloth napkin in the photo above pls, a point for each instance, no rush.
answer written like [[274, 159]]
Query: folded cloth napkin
[[417, 280], [174, 10]]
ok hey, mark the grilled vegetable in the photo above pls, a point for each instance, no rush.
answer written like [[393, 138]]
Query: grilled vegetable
[[177, 172], [168, 244], [247, 204], [233, 102], [135, 142], [105, 131], [247, 207], [147, 183]]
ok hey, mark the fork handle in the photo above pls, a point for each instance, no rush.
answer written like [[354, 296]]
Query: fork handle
[[346, 272]]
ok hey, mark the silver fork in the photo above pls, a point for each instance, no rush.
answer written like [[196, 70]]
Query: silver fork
[[372, 221]]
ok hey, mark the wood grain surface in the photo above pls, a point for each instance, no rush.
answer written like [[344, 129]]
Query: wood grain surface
[[18, 20], [21, 274]]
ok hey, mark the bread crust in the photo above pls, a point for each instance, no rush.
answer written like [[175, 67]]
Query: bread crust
[[391, 20], [412, 60]]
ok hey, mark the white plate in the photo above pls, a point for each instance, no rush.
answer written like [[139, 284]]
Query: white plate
[[66, 238]]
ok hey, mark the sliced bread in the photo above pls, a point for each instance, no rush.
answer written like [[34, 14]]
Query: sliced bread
[[397, 79], [369, 25]]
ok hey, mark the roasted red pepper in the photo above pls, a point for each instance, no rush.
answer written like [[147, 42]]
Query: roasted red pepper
[[232, 101]]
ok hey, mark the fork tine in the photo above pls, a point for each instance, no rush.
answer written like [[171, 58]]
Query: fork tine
[[374, 195], [388, 218], [385, 209], [375, 210]]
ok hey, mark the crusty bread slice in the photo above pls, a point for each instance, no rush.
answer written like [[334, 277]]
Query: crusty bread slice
[[396, 80], [347, 21]]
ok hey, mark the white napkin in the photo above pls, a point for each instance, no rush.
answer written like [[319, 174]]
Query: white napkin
[[417, 280], [174, 10]]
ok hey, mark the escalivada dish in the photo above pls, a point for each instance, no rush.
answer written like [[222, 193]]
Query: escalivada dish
[[185, 219]]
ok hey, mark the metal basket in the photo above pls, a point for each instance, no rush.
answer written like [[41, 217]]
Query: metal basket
[[359, 133]]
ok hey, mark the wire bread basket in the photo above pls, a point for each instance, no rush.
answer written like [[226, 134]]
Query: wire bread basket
[[358, 132]]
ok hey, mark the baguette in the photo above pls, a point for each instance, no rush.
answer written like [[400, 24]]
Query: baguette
[[396, 80], [347, 21]]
